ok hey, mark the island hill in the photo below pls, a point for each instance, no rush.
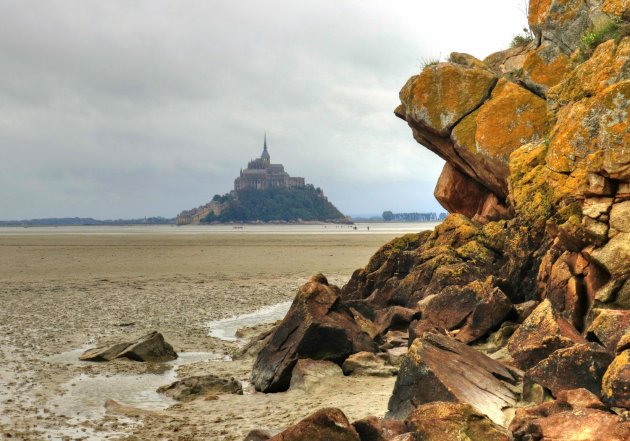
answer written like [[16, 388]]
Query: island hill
[[264, 192]]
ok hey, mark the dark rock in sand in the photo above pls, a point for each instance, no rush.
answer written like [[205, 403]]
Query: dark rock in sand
[[150, 348], [327, 424], [318, 326], [582, 365], [440, 368], [442, 421], [191, 388], [258, 435], [378, 429]]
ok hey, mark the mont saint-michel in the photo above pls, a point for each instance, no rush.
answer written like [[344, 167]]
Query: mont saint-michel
[[265, 192]]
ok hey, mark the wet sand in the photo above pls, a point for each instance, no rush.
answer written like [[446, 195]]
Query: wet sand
[[64, 291]]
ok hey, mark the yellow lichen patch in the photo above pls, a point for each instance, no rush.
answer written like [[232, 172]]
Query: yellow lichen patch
[[615, 7], [442, 94], [512, 117], [607, 65], [594, 134], [616, 381], [464, 133], [547, 65], [475, 252], [538, 10]]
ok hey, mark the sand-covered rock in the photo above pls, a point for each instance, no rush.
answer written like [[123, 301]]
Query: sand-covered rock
[[150, 348]]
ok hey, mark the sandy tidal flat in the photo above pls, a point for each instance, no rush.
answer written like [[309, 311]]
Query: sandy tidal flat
[[65, 290]]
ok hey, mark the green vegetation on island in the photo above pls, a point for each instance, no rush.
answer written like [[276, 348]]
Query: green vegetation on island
[[296, 204]]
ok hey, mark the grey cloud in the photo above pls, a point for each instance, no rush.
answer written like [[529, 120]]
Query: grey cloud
[[147, 107]]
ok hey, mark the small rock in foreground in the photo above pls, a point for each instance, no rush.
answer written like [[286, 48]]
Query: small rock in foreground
[[150, 348], [191, 388]]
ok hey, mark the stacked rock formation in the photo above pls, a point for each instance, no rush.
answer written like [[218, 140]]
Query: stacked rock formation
[[532, 265]]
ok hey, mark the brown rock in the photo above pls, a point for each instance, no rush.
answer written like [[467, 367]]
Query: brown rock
[[541, 334], [442, 421], [580, 399], [372, 428], [318, 326], [581, 365], [459, 193], [307, 374], [476, 308], [394, 318], [418, 327], [595, 207], [577, 424], [616, 382], [608, 326], [439, 368], [597, 185], [328, 424], [191, 388], [615, 256], [258, 435], [368, 364]]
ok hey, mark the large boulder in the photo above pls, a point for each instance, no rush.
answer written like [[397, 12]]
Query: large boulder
[[443, 421], [328, 424], [439, 368], [318, 326], [150, 348]]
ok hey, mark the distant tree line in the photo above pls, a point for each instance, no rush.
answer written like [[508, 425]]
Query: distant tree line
[[389, 216], [276, 204], [85, 221]]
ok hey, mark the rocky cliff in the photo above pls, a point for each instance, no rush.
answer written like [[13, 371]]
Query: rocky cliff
[[516, 309]]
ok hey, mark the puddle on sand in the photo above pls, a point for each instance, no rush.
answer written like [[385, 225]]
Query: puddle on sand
[[226, 329], [85, 395]]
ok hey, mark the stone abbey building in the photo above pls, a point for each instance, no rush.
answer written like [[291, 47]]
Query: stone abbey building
[[259, 174], [262, 174]]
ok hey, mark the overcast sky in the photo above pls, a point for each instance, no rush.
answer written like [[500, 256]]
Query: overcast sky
[[131, 108]]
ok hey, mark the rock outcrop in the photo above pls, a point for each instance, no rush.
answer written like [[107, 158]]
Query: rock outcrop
[[191, 388], [533, 262]]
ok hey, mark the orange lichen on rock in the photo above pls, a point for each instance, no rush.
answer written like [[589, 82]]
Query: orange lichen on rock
[[594, 134], [442, 94], [607, 65], [546, 66]]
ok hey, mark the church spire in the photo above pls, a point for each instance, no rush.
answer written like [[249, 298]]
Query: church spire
[[265, 153]]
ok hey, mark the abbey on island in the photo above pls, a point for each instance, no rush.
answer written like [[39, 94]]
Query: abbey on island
[[260, 174]]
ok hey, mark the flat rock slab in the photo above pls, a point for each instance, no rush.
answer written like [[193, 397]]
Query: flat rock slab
[[150, 348], [199, 386], [440, 368], [307, 374]]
